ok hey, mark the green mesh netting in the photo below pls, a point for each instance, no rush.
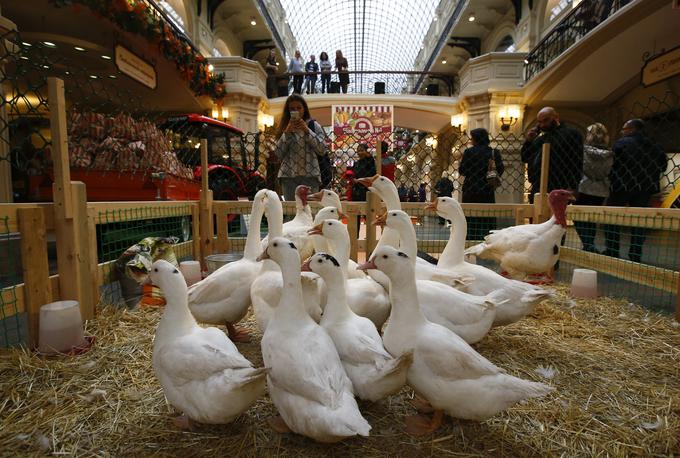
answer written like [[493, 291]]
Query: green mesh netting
[[12, 323]]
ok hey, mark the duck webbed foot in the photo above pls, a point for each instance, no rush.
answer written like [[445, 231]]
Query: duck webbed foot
[[278, 425], [184, 423], [238, 334], [420, 425]]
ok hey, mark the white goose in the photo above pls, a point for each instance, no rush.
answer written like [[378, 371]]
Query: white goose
[[374, 373], [521, 297], [528, 248], [224, 296], [387, 191], [306, 380], [446, 371], [201, 371], [266, 289], [467, 315], [365, 296], [331, 198], [296, 229]]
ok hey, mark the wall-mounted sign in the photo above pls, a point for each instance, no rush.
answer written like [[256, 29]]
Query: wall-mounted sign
[[353, 124], [661, 67], [135, 67]]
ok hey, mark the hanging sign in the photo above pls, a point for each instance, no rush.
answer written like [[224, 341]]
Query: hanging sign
[[134, 67], [661, 67], [354, 124]]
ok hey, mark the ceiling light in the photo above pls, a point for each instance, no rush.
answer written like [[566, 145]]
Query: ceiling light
[[443, 61], [46, 66], [78, 48], [211, 67], [106, 57], [49, 44], [24, 57], [471, 17], [435, 19], [94, 77], [25, 43], [253, 21], [113, 77]]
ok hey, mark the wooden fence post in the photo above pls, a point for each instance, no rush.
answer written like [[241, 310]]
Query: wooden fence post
[[36, 270], [352, 213], [206, 217], [96, 278], [196, 231], [222, 242], [677, 302], [541, 209], [70, 212], [373, 205]]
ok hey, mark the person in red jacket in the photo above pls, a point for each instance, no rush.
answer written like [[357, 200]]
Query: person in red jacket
[[389, 164]]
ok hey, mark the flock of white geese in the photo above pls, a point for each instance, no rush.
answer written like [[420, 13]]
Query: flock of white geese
[[334, 331]]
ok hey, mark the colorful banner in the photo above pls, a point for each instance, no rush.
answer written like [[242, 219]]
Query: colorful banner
[[354, 124]]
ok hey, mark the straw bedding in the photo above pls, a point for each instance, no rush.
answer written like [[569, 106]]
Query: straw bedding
[[615, 367]]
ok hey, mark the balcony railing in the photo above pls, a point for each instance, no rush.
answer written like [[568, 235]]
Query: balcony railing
[[575, 25], [374, 82]]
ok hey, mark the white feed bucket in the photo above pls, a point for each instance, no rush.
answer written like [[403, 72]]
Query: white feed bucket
[[584, 283], [61, 327]]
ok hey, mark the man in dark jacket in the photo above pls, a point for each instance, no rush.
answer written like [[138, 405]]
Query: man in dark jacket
[[635, 175], [566, 153], [364, 167]]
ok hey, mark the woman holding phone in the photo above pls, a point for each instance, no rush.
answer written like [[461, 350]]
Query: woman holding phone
[[300, 141]]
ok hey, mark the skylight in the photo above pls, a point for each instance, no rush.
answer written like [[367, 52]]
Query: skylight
[[372, 34]]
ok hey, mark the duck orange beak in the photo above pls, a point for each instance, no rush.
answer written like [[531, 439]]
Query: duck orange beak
[[367, 265], [305, 265], [315, 197], [431, 205], [316, 230], [264, 255], [368, 181], [380, 220]]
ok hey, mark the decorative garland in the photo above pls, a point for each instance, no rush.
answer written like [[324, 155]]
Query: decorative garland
[[137, 16]]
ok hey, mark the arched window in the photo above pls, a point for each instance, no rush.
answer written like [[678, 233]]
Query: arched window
[[507, 44]]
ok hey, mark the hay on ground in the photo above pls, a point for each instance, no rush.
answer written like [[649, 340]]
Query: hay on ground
[[615, 367]]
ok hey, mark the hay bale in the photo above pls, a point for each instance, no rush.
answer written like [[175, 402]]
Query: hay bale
[[615, 367]]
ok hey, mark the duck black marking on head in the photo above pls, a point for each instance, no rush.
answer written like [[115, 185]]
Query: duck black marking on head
[[556, 249], [292, 245], [175, 271], [331, 259], [402, 254]]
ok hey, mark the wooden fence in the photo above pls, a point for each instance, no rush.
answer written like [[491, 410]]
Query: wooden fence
[[81, 274]]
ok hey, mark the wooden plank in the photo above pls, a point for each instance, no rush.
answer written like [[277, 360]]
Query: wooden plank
[[373, 207], [13, 307], [9, 211], [96, 279], [36, 269], [642, 274], [677, 302], [183, 207], [378, 157], [61, 188], [652, 218], [353, 229], [86, 275], [180, 249], [196, 233], [222, 241]]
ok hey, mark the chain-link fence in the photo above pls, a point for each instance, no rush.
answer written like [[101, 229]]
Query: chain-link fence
[[12, 322]]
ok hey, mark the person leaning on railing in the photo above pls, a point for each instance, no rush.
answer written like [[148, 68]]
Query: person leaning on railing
[[296, 67], [635, 175], [566, 153], [300, 141]]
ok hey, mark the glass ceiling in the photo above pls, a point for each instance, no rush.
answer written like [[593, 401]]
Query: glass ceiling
[[372, 34]]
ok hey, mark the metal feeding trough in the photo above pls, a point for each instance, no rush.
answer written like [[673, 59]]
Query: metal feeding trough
[[215, 261]]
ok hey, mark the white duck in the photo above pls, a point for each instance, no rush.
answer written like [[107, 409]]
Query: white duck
[[365, 296], [306, 380], [467, 315], [446, 371], [266, 289], [521, 297], [374, 373], [387, 191], [224, 296], [296, 229], [201, 371], [331, 198], [528, 248]]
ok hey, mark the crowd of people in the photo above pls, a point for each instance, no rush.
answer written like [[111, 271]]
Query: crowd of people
[[306, 74], [628, 173]]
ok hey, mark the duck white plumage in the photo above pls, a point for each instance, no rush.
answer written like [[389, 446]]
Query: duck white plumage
[[446, 371], [224, 296], [365, 296], [467, 315], [307, 382], [521, 297], [528, 248], [387, 191], [201, 371], [332, 199], [374, 373], [296, 229], [266, 289]]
